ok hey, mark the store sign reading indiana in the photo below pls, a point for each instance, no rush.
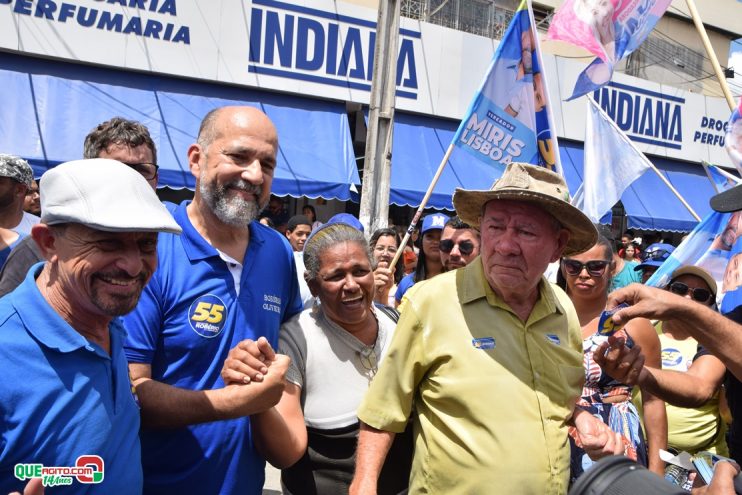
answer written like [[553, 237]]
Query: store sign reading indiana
[[323, 47]]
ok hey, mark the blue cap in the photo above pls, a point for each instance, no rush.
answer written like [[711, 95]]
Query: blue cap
[[655, 255], [347, 219], [434, 221]]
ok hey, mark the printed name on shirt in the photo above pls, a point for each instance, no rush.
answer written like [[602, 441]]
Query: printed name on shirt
[[207, 315], [483, 343], [271, 303]]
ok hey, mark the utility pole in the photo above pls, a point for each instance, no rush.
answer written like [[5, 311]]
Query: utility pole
[[374, 211]]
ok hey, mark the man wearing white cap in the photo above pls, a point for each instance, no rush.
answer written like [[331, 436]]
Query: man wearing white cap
[[225, 280], [487, 359], [120, 139], [66, 399]]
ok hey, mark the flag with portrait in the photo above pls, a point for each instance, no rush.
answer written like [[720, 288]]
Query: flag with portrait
[[609, 29], [716, 243], [509, 118]]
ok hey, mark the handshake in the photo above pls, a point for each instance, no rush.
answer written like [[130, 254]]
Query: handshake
[[256, 364]]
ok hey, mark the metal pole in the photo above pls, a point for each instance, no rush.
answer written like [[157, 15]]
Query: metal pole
[[421, 208], [710, 51], [374, 210]]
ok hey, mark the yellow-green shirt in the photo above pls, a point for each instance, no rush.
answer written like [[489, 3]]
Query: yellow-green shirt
[[691, 429], [486, 420]]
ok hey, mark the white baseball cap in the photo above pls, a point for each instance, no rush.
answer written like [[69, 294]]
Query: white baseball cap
[[104, 195]]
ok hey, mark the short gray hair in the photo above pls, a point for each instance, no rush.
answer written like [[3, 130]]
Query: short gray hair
[[327, 236]]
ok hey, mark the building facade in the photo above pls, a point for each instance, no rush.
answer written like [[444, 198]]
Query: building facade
[[69, 64]]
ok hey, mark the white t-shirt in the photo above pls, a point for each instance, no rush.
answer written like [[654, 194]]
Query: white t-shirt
[[27, 221]]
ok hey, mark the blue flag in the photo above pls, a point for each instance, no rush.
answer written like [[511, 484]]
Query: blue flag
[[716, 246], [720, 178], [509, 118]]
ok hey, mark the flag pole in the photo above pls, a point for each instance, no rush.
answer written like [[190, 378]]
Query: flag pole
[[544, 81], [708, 174], [710, 52], [647, 162], [667, 183], [524, 5], [420, 209], [726, 174]]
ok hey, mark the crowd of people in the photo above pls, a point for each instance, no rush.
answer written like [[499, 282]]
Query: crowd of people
[[175, 348]]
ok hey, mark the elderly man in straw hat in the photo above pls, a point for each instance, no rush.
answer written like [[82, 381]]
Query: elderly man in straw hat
[[487, 359]]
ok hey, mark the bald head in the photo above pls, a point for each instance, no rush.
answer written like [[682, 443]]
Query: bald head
[[233, 161], [215, 122]]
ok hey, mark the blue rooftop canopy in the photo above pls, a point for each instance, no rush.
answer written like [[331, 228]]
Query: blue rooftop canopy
[[50, 107], [420, 143]]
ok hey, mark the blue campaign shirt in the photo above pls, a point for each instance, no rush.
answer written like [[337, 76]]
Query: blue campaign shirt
[[404, 285], [62, 397], [187, 320]]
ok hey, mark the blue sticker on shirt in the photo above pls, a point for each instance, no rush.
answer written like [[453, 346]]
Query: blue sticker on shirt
[[671, 357], [554, 339], [483, 343], [207, 315]]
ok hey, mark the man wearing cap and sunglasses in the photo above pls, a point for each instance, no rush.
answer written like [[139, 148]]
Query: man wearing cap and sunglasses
[[66, 399], [720, 336], [487, 359], [459, 244], [652, 259]]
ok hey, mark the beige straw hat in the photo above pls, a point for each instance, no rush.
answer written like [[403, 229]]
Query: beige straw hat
[[537, 185]]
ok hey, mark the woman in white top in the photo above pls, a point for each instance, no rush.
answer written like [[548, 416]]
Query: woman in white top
[[335, 347]]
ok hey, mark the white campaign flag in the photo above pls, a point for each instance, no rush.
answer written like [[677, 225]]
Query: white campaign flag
[[612, 163]]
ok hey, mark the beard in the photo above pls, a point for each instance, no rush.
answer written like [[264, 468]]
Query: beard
[[235, 210], [119, 304]]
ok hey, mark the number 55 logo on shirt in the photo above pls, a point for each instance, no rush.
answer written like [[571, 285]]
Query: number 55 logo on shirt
[[207, 315]]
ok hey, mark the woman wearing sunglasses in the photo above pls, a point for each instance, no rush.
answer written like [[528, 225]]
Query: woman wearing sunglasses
[[586, 278], [701, 428]]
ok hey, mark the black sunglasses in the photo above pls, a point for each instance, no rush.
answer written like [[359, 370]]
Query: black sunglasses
[[466, 247], [595, 268], [657, 254], [698, 294]]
